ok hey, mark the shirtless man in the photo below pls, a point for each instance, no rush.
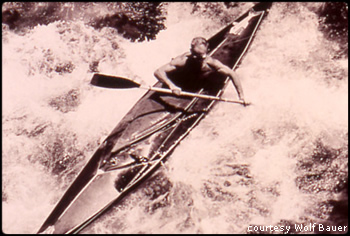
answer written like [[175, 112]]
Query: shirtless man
[[198, 53]]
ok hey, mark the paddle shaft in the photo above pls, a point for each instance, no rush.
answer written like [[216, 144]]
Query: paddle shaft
[[188, 94], [108, 81]]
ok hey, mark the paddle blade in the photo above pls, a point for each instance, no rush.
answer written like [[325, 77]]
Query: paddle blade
[[108, 81]]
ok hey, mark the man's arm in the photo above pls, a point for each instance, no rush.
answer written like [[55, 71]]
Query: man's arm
[[223, 69], [161, 73]]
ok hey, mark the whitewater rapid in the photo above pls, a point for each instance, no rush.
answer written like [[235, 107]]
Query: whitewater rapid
[[241, 167]]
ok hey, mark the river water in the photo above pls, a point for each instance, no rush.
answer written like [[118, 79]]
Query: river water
[[282, 161]]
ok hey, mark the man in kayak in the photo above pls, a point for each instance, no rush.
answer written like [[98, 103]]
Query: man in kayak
[[197, 60]]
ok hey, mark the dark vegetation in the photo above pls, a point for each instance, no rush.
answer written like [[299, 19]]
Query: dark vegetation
[[216, 10], [138, 21]]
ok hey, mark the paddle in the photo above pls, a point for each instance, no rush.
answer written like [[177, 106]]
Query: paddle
[[108, 81]]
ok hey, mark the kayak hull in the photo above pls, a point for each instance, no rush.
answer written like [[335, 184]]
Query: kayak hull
[[146, 136]]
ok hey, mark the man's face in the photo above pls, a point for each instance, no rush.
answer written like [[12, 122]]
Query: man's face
[[199, 51]]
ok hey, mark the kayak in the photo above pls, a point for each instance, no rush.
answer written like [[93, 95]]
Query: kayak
[[149, 133]]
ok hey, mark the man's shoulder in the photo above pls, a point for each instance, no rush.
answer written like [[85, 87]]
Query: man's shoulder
[[181, 59], [214, 62]]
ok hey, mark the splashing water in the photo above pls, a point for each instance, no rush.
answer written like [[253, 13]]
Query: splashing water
[[281, 161]]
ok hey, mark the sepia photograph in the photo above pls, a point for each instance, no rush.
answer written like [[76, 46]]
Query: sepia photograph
[[175, 117]]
